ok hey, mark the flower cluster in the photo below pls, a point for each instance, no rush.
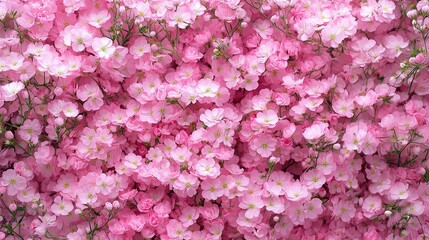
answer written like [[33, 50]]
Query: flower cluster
[[214, 119]]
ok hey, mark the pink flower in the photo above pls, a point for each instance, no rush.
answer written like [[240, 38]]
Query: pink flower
[[399, 191], [181, 18], [207, 88], [250, 82], [137, 223], [73, 5], [385, 11], [275, 205], [10, 90], [332, 35], [44, 154], [139, 48], [145, 205], [315, 131], [395, 44], [103, 47], [263, 28], [313, 179], [267, 118], [78, 37], [87, 196], [30, 131], [252, 205], [207, 167], [189, 216], [177, 230], [344, 210], [211, 189], [13, 182], [97, 19], [132, 161], [296, 191], [372, 235], [371, 206], [192, 54], [104, 184], [61, 207], [70, 109], [416, 208], [264, 145], [212, 117], [344, 107], [87, 91], [313, 208], [186, 185]]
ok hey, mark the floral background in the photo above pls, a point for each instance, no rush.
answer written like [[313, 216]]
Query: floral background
[[214, 119]]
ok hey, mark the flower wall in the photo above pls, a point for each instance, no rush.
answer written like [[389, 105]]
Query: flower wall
[[214, 119]]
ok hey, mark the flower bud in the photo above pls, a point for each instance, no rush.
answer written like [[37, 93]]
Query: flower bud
[[273, 159], [412, 13], [275, 18], [8, 135], [416, 150], [116, 204], [387, 213], [58, 91], [337, 146], [12, 207], [276, 218], [108, 206]]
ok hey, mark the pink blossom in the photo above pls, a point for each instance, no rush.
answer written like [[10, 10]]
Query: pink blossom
[[181, 18], [313, 208], [97, 19], [315, 131], [212, 117], [207, 88], [139, 48], [61, 206], [103, 47], [13, 182], [264, 145], [252, 205], [229, 119], [344, 210], [207, 168], [371, 206], [296, 191], [30, 131], [177, 230], [313, 179], [267, 118], [399, 190], [211, 189], [10, 90]]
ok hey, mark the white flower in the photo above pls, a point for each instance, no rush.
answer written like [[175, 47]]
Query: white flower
[[10, 90]]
